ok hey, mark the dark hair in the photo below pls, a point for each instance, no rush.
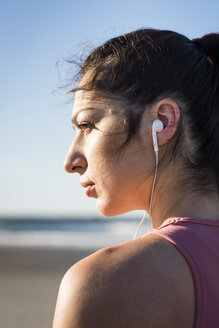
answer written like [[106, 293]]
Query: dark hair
[[146, 65]]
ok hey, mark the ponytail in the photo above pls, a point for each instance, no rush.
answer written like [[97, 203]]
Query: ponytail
[[211, 42]]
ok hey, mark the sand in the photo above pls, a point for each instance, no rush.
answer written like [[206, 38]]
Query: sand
[[29, 282]]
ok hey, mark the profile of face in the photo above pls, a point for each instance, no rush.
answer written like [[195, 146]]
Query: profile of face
[[119, 179]]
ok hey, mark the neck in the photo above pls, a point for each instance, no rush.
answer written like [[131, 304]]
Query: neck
[[171, 200]]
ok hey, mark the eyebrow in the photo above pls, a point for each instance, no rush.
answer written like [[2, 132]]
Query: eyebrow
[[74, 118]]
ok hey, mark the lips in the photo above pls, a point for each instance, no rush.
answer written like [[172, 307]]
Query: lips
[[89, 187], [86, 183]]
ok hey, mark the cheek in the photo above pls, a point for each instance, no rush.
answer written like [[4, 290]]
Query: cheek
[[104, 150], [122, 185]]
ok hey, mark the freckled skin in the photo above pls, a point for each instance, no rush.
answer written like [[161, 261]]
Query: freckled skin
[[126, 172]]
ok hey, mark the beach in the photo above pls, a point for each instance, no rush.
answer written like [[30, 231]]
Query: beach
[[29, 282], [35, 253]]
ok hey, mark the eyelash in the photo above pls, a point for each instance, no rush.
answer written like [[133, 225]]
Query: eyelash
[[86, 126]]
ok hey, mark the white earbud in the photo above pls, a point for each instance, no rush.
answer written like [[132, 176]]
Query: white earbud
[[157, 126]]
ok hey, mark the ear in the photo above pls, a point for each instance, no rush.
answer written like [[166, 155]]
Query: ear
[[169, 113]]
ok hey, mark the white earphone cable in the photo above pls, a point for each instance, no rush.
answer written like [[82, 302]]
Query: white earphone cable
[[151, 198], [152, 191]]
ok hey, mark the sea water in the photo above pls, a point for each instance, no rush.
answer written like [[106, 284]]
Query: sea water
[[66, 233]]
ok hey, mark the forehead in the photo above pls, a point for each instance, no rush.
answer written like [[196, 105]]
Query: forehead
[[83, 98], [85, 101], [88, 100]]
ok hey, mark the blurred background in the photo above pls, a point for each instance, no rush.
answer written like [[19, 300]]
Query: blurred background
[[46, 221]]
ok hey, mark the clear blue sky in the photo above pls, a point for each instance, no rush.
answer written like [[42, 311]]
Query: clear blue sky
[[36, 133]]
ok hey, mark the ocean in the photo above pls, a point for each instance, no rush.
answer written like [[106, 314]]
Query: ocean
[[67, 233]]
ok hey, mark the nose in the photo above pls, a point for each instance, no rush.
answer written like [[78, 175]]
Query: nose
[[75, 161]]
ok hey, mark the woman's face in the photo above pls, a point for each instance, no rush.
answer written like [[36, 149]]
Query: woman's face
[[120, 180]]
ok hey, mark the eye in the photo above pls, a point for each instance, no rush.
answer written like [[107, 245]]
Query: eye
[[86, 126]]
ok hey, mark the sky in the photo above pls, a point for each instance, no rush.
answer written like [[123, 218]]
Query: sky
[[36, 129]]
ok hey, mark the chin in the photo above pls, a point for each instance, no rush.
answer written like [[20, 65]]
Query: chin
[[106, 211], [111, 210]]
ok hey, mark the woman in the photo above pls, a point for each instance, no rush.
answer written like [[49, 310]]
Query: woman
[[169, 277]]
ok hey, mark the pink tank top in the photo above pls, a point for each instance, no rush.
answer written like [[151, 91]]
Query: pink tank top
[[198, 241]]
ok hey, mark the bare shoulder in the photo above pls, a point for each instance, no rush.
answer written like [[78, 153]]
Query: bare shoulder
[[141, 283]]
